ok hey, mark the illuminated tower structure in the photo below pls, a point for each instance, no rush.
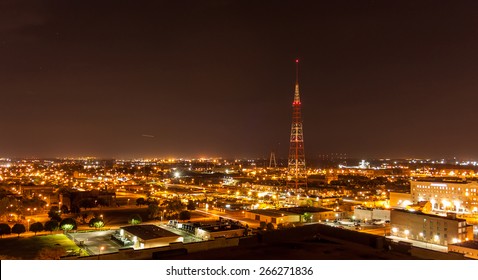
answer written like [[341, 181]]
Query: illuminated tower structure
[[297, 173]]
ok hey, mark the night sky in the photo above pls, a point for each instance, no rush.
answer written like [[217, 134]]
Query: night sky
[[216, 78]]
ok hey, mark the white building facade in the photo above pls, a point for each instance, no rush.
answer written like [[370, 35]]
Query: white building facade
[[455, 196]]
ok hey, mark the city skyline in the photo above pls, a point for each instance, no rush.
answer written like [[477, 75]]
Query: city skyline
[[216, 78]]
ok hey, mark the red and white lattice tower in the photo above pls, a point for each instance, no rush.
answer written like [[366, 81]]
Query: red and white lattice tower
[[297, 173]]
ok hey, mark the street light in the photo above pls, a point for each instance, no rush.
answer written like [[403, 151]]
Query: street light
[[101, 249], [395, 230]]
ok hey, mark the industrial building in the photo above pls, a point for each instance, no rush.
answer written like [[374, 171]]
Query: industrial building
[[210, 230], [148, 236], [363, 213], [293, 215]]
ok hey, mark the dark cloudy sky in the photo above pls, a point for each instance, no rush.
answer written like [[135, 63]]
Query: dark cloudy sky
[[216, 78]]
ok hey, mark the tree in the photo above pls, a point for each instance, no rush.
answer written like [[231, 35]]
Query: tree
[[86, 203], [191, 205], [151, 200], [307, 217], [68, 224], [54, 213], [64, 209], [184, 215], [173, 206], [96, 223], [140, 201], [102, 202], [51, 225], [33, 203], [262, 225], [270, 227], [5, 229], [135, 220], [308, 203], [153, 210], [84, 218], [75, 209], [18, 229], [36, 227]]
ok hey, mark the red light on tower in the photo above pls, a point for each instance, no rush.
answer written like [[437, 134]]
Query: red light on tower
[[296, 61]]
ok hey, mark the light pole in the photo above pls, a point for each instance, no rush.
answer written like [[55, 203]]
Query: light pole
[[101, 249]]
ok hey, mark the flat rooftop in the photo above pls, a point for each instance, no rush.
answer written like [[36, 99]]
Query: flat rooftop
[[302, 210], [271, 212], [429, 215], [148, 232], [289, 211], [444, 180], [467, 244], [216, 228]]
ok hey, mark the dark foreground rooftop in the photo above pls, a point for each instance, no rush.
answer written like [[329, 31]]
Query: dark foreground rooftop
[[468, 244]]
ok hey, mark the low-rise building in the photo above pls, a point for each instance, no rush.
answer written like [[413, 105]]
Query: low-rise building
[[442, 230], [208, 232], [361, 213], [148, 236], [272, 216], [468, 248], [293, 215]]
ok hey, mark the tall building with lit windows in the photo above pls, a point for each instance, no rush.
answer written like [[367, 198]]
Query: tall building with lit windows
[[446, 195]]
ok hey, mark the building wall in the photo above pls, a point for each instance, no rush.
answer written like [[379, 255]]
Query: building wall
[[381, 214], [208, 235], [275, 220], [397, 199], [158, 242], [139, 243], [427, 228], [362, 214], [459, 197], [467, 252], [372, 214], [329, 215]]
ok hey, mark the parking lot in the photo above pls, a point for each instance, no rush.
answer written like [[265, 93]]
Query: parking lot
[[100, 242], [95, 242]]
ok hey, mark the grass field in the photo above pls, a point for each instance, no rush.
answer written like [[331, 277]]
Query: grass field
[[27, 248]]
